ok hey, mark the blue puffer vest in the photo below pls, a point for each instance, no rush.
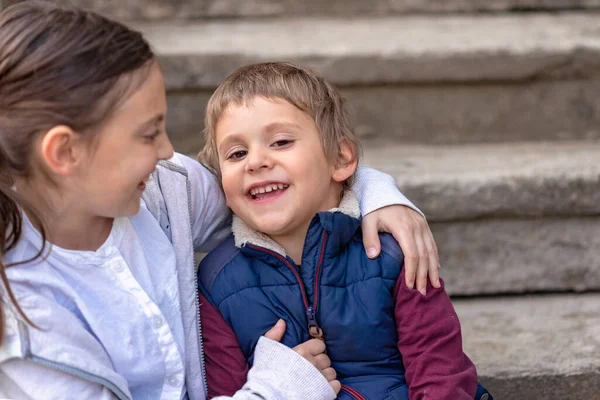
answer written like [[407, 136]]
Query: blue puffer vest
[[338, 291]]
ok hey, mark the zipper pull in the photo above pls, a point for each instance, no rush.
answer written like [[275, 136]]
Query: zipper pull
[[313, 328]]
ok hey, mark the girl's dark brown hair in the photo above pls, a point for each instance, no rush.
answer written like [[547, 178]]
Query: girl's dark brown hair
[[58, 66]]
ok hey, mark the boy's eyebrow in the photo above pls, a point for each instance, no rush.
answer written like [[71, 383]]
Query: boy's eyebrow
[[151, 122], [277, 126], [269, 129], [234, 137]]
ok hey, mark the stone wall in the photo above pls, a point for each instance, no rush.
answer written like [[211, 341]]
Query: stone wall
[[195, 9]]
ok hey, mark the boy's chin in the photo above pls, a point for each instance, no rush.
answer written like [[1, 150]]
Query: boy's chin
[[272, 228]]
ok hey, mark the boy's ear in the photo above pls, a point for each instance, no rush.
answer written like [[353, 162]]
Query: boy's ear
[[346, 162], [61, 150]]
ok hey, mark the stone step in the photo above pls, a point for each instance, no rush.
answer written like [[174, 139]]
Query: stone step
[[507, 218], [507, 180], [194, 9], [447, 79], [534, 347]]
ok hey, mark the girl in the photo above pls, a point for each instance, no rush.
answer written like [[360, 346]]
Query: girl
[[101, 300]]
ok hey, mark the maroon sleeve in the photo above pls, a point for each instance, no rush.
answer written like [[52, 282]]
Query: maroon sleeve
[[226, 365], [430, 342]]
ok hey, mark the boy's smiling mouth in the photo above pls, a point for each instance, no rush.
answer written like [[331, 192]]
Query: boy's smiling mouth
[[266, 190]]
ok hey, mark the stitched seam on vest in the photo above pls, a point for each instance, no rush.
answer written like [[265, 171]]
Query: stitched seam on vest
[[256, 287], [398, 258], [362, 280]]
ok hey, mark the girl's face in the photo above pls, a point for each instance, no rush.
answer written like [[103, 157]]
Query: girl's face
[[110, 184]]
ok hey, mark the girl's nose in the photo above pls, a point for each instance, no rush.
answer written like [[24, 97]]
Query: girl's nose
[[165, 148]]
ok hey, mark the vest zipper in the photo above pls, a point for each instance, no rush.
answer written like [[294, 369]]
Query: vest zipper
[[314, 329], [353, 393]]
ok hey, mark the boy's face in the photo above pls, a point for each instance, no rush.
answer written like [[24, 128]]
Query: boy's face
[[275, 174]]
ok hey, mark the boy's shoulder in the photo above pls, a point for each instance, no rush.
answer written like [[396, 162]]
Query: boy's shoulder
[[389, 246], [214, 262]]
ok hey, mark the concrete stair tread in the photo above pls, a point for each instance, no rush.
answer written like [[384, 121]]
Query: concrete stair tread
[[385, 49], [534, 347], [470, 181]]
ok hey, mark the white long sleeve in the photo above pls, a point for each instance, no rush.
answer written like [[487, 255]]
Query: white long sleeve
[[375, 190]]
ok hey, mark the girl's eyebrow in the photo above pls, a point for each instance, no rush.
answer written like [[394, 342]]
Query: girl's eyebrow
[[157, 119]]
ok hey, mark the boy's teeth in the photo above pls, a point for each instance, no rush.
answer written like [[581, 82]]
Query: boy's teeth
[[268, 188]]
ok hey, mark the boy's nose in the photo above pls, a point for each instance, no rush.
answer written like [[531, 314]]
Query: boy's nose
[[257, 160]]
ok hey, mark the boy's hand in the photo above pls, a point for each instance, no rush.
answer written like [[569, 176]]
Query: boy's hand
[[313, 350], [412, 232]]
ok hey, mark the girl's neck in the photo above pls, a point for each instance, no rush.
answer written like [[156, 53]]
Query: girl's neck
[[66, 224]]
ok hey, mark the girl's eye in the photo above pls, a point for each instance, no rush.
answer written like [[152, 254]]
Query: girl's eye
[[237, 155], [282, 143], [153, 136]]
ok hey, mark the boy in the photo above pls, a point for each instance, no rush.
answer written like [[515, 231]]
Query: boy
[[281, 143]]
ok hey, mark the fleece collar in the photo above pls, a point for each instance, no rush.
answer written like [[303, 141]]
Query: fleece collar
[[244, 234]]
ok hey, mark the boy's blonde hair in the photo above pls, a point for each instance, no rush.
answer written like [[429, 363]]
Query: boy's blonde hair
[[296, 85]]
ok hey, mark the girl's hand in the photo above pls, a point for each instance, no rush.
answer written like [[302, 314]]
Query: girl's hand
[[313, 350], [412, 232]]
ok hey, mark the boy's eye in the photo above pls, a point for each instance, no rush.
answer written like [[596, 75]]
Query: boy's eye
[[237, 155], [282, 143]]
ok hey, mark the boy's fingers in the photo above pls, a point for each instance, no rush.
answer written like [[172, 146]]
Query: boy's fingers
[[277, 331], [310, 348], [336, 385], [370, 233], [321, 361], [329, 374]]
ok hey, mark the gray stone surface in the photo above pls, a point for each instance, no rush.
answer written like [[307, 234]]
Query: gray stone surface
[[189, 9], [392, 50], [415, 79], [432, 114], [492, 256], [475, 113], [535, 347], [470, 182]]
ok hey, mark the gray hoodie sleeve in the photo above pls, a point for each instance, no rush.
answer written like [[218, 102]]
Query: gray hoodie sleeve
[[279, 373]]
